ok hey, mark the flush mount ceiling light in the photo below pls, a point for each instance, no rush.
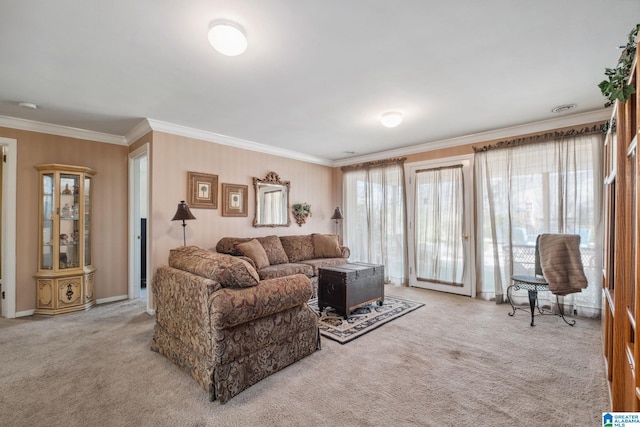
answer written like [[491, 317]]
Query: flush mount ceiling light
[[391, 119], [227, 37]]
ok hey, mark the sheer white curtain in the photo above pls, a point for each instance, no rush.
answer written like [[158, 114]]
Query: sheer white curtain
[[272, 211], [438, 224], [548, 187], [374, 218]]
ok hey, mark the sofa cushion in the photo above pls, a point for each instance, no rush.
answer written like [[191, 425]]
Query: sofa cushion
[[229, 271], [321, 262], [229, 245], [254, 250], [281, 270], [231, 307], [326, 246], [298, 248], [273, 248]]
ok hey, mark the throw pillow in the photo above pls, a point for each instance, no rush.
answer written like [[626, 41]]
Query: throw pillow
[[229, 271], [254, 250], [273, 248], [298, 248], [326, 246]]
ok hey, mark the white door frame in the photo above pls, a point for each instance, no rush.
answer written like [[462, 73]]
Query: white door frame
[[135, 201], [469, 276], [9, 204]]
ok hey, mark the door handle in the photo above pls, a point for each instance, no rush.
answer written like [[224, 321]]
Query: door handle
[[465, 236]]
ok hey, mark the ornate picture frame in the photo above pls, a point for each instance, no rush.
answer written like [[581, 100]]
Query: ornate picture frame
[[234, 199], [202, 190]]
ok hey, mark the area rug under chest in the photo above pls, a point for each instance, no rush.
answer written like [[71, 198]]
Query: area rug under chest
[[362, 320]]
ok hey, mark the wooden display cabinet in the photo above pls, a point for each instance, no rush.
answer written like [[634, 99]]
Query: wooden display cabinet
[[65, 277], [621, 277]]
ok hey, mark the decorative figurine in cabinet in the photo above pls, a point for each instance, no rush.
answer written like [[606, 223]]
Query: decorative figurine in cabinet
[[65, 277]]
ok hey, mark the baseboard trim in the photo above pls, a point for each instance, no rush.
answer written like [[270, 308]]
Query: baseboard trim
[[25, 313], [112, 299]]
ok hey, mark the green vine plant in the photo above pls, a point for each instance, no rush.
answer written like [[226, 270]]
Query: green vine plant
[[301, 211], [302, 208], [616, 86]]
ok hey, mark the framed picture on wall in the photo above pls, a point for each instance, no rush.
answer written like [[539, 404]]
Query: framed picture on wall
[[234, 200], [202, 190]]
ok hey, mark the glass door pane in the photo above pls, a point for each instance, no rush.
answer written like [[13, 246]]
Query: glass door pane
[[69, 216], [439, 225], [47, 221], [87, 221]]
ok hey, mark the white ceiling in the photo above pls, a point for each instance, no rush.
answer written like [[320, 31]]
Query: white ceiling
[[317, 74]]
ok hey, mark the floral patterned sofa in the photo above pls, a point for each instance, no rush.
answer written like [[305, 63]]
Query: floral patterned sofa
[[274, 256], [228, 329]]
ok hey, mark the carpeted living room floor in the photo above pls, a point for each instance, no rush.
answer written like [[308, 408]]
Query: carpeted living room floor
[[455, 361]]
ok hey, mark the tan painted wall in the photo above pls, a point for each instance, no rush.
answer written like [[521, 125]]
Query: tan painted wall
[[170, 158], [173, 156], [109, 208]]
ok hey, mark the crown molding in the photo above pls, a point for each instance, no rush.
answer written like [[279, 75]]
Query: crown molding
[[66, 131], [148, 125], [217, 138], [528, 128], [140, 130]]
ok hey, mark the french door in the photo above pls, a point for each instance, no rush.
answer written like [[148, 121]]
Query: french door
[[441, 225]]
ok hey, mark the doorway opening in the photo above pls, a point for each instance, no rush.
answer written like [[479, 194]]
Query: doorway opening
[[8, 227], [138, 225], [440, 228]]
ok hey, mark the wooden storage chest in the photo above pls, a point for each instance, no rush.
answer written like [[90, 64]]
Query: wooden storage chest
[[349, 286]]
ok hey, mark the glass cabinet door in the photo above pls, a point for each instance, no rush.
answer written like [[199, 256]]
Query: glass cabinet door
[[87, 221], [47, 221], [69, 217]]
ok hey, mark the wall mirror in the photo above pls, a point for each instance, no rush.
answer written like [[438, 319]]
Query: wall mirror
[[272, 202]]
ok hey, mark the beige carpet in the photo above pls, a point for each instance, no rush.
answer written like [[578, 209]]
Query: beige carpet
[[455, 361]]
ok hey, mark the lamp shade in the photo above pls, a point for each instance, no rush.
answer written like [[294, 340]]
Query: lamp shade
[[337, 214], [183, 212]]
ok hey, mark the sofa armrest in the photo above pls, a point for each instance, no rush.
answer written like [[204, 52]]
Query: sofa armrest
[[231, 307], [346, 252], [182, 305]]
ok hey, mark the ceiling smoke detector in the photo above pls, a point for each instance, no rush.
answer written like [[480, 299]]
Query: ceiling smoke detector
[[28, 105], [563, 108]]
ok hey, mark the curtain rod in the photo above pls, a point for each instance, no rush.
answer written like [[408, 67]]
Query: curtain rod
[[543, 137], [369, 165]]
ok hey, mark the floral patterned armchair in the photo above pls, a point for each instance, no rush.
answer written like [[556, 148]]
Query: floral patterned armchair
[[228, 329]]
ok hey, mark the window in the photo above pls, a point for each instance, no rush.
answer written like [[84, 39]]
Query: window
[[523, 191], [374, 212]]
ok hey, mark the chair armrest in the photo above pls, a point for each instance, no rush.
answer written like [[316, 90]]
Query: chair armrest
[[231, 307], [346, 252]]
